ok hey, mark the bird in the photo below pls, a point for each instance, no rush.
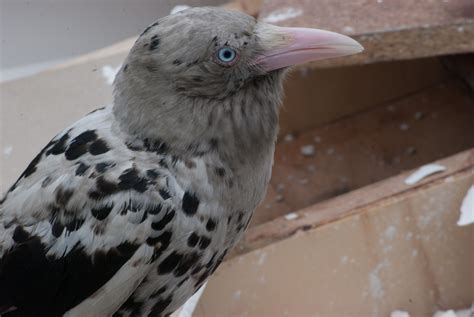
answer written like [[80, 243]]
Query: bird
[[128, 211]]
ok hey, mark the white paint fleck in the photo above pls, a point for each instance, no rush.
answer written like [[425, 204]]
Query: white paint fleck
[[390, 232], [423, 172], [262, 257], [303, 181], [109, 73], [7, 150], [404, 126], [414, 252], [280, 187], [448, 313], [418, 115], [375, 283], [189, 306], [236, 295], [291, 216], [178, 8], [467, 208], [311, 168], [289, 137], [348, 29], [308, 150], [279, 198], [344, 259], [399, 313], [460, 29], [282, 15]]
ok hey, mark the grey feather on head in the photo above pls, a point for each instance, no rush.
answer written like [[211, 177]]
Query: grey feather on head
[[192, 76]]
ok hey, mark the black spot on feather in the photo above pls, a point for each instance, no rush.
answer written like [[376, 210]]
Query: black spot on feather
[[169, 263], [188, 261], [74, 224], [102, 212], [63, 196], [103, 166], [131, 180], [57, 229], [155, 41], [190, 203], [98, 147], [164, 194], [159, 225], [193, 240], [104, 188], [82, 169], [60, 146], [20, 235], [211, 225], [160, 306], [204, 243], [79, 145]]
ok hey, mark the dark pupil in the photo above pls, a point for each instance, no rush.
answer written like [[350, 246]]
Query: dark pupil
[[227, 54]]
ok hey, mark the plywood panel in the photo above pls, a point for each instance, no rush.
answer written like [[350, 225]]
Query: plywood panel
[[368, 147], [389, 30], [402, 252]]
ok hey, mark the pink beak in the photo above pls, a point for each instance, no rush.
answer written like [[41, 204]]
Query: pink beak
[[302, 45]]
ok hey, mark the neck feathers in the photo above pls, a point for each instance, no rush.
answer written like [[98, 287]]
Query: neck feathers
[[243, 123]]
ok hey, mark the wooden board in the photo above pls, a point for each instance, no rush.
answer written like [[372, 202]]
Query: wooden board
[[389, 29], [368, 147], [400, 249]]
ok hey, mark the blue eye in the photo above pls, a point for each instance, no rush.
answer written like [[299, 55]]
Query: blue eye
[[226, 55]]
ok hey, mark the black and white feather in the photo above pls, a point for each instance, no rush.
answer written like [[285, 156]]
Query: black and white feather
[[128, 211]]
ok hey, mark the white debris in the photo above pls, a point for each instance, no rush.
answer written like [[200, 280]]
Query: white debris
[[237, 294], [291, 216], [404, 126], [423, 172], [178, 8], [469, 312], [303, 181], [419, 115], [189, 306], [448, 313], [280, 187], [282, 15], [289, 137], [348, 29], [399, 313], [109, 73], [390, 232], [467, 208], [7, 150], [279, 198], [308, 150]]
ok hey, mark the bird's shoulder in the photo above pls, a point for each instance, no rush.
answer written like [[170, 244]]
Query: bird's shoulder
[[91, 202]]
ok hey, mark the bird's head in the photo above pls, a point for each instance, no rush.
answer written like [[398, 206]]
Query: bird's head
[[205, 73], [212, 52]]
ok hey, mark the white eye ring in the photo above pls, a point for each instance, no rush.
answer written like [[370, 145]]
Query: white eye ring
[[226, 55]]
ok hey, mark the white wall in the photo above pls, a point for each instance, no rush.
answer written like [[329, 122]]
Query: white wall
[[36, 34]]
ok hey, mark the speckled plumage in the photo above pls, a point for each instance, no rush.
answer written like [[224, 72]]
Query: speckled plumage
[[133, 207], [129, 211]]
